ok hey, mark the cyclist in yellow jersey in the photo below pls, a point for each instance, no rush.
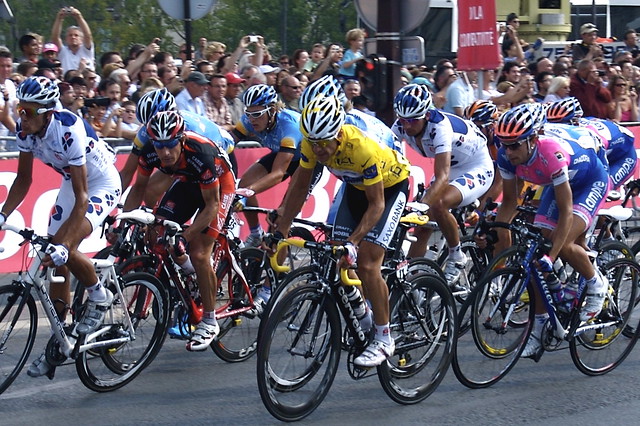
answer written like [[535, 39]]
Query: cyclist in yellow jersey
[[368, 215]]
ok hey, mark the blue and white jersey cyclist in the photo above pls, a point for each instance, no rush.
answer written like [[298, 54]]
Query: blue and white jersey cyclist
[[89, 191], [463, 169], [275, 128]]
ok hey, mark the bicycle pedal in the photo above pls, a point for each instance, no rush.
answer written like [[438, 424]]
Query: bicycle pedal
[[51, 373]]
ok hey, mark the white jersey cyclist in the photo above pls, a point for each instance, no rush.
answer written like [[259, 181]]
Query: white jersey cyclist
[[66, 142]]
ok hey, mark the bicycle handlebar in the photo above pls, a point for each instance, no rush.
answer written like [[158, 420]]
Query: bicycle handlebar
[[284, 243]]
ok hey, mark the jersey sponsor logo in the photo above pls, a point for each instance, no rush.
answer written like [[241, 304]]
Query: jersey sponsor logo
[[555, 175], [466, 180], [56, 212], [584, 158], [624, 171], [595, 194], [208, 174], [67, 140], [370, 172], [110, 199], [560, 156]]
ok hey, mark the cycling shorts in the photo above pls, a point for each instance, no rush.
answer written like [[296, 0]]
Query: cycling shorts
[[103, 194], [586, 201], [183, 199], [354, 204], [267, 163], [621, 170], [474, 182]]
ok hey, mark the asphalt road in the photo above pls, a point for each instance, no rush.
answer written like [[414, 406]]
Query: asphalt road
[[198, 388]]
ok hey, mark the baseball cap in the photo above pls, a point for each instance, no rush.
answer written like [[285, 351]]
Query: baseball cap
[[233, 78], [198, 78], [266, 69], [588, 28], [49, 47]]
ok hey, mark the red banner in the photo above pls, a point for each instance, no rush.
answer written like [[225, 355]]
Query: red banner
[[34, 211], [477, 35]]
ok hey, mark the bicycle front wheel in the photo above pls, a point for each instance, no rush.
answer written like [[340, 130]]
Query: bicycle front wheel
[[604, 342], [18, 325], [500, 318], [423, 325], [145, 302], [299, 352], [238, 336]]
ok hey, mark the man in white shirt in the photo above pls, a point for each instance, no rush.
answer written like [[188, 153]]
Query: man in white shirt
[[190, 98], [78, 52], [7, 94]]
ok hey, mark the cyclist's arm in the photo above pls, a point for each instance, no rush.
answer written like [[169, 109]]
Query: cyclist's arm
[[21, 183], [441, 168], [128, 170], [71, 232], [279, 169], [211, 197], [294, 199], [564, 200], [134, 199], [375, 197]]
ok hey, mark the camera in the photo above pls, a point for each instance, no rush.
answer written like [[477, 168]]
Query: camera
[[601, 73], [253, 39], [67, 9]]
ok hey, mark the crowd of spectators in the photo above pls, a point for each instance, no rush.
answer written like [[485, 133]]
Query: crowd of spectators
[[104, 89]]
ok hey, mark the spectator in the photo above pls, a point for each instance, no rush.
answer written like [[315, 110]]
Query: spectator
[[190, 98], [216, 107], [182, 53], [111, 57], [96, 109], [444, 77], [257, 78], [626, 70], [226, 64], [134, 51], [80, 87], [284, 62], [26, 68], [513, 47], [351, 88], [624, 104], [92, 80], [302, 77], [249, 71], [30, 45], [460, 94], [121, 76], [330, 64], [290, 91], [170, 80], [270, 73], [543, 82], [234, 87], [149, 69], [355, 40], [281, 75], [78, 52], [151, 83], [300, 58], [316, 57], [6, 68], [108, 69], [145, 56], [544, 64], [111, 90], [50, 51], [69, 100], [560, 69], [622, 55], [214, 51], [126, 125], [202, 45], [630, 40], [588, 48], [206, 68], [586, 86]]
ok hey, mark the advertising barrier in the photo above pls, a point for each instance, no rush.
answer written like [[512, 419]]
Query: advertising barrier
[[34, 211]]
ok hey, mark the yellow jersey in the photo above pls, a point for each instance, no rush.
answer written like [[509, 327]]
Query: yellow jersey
[[359, 160]]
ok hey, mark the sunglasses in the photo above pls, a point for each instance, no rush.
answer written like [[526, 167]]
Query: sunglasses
[[256, 114], [32, 112], [408, 120], [166, 144], [515, 145], [320, 143]]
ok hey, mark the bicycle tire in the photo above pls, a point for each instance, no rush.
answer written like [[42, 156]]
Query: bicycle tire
[[484, 356], [238, 337], [417, 265], [423, 325], [147, 302], [598, 351], [299, 353], [23, 323]]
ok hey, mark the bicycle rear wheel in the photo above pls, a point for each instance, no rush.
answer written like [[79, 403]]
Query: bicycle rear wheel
[[500, 323], [423, 326], [238, 338], [108, 368], [299, 352], [18, 325], [598, 350]]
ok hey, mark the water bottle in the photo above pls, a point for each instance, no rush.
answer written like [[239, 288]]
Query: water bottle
[[555, 287], [356, 301]]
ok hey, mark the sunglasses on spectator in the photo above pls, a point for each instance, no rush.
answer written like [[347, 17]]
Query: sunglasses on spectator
[[256, 114], [31, 112], [166, 144]]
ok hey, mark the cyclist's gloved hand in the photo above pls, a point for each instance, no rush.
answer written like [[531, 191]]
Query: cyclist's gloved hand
[[240, 204], [59, 254], [546, 264], [3, 219], [351, 253]]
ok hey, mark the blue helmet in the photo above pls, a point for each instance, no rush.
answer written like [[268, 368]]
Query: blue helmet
[[412, 101], [154, 102], [40, 90], [259, 95], [326, 86]]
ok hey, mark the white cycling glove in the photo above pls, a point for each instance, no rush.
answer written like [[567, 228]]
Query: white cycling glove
[[59, 254], [351, 254]]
